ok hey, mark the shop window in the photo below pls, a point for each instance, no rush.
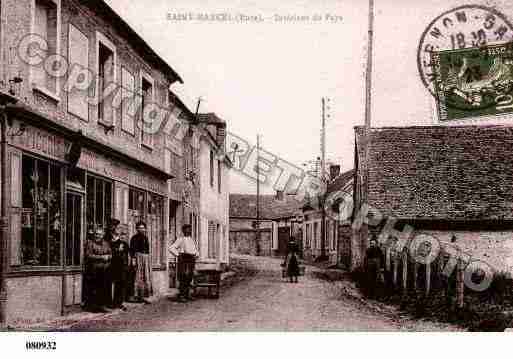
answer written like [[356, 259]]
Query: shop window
[[154, 221], [41, 222], [99, 202], [149, 208], [46, 24]]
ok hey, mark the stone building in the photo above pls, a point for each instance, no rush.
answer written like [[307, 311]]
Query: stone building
[[76, 156], [335, 240], [450, 183], [213, 178], [278, 222]]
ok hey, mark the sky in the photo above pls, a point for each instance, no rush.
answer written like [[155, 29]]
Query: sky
[[266, 77]]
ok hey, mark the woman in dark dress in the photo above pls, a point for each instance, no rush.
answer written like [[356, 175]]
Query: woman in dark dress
[[98, 255], [140, 258], [291, 262]]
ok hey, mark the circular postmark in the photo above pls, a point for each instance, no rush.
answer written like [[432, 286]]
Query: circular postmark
[[465, 59]]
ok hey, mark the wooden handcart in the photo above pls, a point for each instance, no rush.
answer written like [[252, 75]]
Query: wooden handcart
[[207, 275]]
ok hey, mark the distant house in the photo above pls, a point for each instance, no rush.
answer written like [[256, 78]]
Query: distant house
[[214, 190], [337, 233], [277, 223], [453, 183]]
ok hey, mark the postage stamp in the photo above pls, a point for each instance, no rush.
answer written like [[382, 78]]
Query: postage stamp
[[457, 34], [473, 82]]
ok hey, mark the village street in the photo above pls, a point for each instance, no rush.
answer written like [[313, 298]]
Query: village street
[[261, 302]]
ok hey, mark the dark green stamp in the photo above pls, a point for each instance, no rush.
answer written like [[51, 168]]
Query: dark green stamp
[[473, 82]]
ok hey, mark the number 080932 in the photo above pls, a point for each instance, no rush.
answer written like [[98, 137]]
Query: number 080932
[[41, 345]]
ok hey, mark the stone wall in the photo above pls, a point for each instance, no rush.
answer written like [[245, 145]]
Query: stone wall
[[244, 242]]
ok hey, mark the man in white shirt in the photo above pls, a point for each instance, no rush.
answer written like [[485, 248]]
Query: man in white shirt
[[186, 251]]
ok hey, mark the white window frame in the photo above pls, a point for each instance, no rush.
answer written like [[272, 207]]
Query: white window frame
[[146, 76], [110, 45], [53, 95]]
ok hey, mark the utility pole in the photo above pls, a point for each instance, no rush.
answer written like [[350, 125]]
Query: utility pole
[[364, 231], [257, 225], [323, 177]]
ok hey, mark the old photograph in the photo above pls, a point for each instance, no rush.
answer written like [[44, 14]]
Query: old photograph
[[255, 166]]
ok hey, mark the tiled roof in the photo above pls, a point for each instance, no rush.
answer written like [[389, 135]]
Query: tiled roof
[[341, 182], [244, 206], [435, 172]]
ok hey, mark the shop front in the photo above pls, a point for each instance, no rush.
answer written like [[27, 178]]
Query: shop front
[[52, 205]]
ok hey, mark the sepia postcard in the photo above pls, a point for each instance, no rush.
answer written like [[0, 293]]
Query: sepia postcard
[[254, 166]]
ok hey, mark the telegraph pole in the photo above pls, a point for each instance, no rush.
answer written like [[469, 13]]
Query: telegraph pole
[[363, 235], [323, 177], [257, 225]]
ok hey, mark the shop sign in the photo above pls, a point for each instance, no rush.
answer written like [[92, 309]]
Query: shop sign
[[55, 147], [108, 168], [41, 142]]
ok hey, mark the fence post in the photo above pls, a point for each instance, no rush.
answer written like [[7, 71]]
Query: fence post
[[395, 264], [415, 275], [460, 285], [405, 272], [428, 278]]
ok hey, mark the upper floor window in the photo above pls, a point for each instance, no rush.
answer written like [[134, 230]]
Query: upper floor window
[[128, 106], [78, 55], [147, 92], [211, 168], [46, 23], [106, 57]]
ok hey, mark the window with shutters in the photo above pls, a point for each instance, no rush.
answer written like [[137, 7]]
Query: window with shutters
[[211, 168], [219, 176], [106, 58], [147, 93], [78, 54], [129, 104], [46, 24]]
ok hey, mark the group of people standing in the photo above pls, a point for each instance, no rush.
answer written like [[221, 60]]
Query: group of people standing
[[116, 271]]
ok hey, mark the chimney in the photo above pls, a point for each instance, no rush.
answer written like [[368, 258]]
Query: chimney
[[279, 195], [334, 171]]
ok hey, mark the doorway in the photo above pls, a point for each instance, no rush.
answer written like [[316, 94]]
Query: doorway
[[74, 242], [283, 240]]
